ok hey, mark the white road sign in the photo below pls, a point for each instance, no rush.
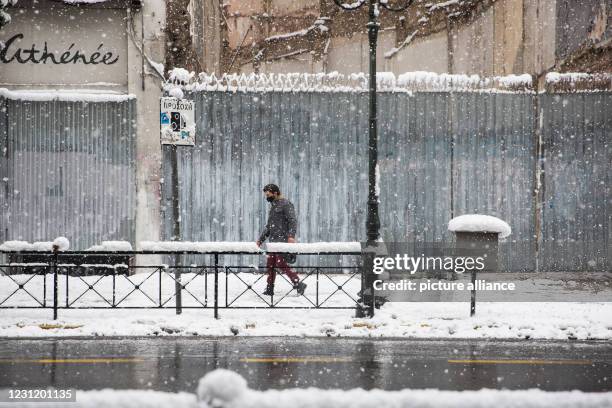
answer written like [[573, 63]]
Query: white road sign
[[176, 121]]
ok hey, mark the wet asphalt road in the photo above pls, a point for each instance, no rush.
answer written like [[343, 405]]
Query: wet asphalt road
[[176, 364]]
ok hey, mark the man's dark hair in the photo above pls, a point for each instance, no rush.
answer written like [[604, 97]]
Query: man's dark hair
[[273, 188]]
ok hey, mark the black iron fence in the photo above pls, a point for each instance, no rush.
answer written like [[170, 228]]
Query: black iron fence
[[112, 280]]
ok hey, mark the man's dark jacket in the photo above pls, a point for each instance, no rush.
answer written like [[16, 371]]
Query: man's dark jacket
[[282, 222]]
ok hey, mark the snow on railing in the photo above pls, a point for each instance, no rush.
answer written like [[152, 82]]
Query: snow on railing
[[193, 247], [60, 244], [336, 82], [186, 246]]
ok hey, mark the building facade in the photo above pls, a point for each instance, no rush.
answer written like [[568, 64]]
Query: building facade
[[485, 37], [79, 120]]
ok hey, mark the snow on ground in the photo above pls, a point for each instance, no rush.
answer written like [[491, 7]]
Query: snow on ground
[[552, 320], [118, 399], [226, 389]]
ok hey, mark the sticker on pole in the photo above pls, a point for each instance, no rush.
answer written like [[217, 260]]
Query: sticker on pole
[[176, 121]]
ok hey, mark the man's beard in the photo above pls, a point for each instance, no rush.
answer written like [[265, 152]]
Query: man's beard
[[270, 199]]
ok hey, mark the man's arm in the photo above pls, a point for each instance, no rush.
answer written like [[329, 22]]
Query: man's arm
[[265, 233]]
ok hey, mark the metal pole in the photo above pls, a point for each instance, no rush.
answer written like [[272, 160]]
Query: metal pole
[[372, 220], [177, 285], [55, 300], [216, 286], [176, 228], [473, 296]]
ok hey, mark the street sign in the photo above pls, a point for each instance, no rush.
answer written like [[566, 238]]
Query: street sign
[[177, 121]]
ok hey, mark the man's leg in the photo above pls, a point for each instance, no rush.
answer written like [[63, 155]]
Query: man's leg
[[271, 266], [282, 264]]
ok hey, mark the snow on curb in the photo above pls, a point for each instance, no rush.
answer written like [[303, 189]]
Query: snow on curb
[[108, 398], [226, 389]]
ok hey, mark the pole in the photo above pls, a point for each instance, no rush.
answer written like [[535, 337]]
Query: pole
[[217, 286], [176, 228], [473, 295], [55, 300], [372, 220]]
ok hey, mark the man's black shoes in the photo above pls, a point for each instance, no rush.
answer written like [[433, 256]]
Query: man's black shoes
[[300, 287], [269, 290]]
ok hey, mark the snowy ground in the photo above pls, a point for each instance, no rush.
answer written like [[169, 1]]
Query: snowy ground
[[554, 320], [226, 389]]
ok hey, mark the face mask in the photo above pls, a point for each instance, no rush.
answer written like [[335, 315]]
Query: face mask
[[270, 199]]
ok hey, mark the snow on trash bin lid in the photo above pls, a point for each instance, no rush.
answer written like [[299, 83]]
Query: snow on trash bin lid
[[479, 223]]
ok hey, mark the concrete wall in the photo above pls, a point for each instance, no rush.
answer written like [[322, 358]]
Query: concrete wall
[[496, 38], [472, 47], [148, 148], [423, 54], [539, 35]]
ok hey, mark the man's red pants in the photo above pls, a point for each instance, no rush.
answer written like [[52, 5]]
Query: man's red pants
[[278, 262]]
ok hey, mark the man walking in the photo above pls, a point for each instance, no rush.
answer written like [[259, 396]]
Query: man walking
[[281, 227]]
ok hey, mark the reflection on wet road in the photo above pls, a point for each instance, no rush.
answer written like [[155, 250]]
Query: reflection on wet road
[[176, 364]]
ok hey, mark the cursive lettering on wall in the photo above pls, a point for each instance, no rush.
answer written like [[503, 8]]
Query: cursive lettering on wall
[[10, 52]]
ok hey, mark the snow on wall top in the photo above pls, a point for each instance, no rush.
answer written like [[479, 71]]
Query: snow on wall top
[[335, 82], [578, 81], [66, 96], [83, 1], [479, 223]]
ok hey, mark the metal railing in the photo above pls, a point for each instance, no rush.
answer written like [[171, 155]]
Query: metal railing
[[52, 282]]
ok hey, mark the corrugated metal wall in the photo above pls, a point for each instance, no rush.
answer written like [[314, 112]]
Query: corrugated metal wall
[[67, 169], [577, 165], [440, 155]]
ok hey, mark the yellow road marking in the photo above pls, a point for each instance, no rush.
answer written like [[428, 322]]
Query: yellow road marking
[[538, 362], [295, 360], [75, 361]]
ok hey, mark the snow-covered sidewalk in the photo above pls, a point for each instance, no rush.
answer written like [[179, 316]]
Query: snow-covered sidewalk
[[552, 320], [415, 320], [226, 389]]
